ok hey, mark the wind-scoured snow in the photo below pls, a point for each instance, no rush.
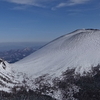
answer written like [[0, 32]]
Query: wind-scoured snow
[[79, 49]]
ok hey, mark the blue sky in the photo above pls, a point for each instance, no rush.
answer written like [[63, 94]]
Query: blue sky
[[45, 20]]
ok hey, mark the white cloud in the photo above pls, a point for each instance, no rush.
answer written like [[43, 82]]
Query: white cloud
[[27, 2], [71, 3], [22, 1], [45, 3]]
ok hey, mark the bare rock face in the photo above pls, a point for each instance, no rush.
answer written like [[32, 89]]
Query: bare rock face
[[3, 64]]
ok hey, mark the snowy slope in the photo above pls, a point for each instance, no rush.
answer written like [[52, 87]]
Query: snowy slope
[[79, 49]]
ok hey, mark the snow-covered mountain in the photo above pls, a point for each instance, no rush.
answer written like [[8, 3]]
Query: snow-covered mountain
[[79, 49], [56, 68]]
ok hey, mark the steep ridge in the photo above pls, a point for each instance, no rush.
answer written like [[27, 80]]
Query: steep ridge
[[79, 50], [7, 80]]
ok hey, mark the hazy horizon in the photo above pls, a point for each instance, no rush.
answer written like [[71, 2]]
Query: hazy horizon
[[4, 46]]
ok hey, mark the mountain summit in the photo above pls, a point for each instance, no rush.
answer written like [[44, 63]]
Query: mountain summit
[[79, 50]]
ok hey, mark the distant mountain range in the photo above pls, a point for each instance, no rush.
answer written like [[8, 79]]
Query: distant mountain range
[[14, 55]]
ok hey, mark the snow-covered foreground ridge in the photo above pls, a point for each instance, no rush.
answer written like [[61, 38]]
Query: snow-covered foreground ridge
[[7, 80], [79, 49]]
